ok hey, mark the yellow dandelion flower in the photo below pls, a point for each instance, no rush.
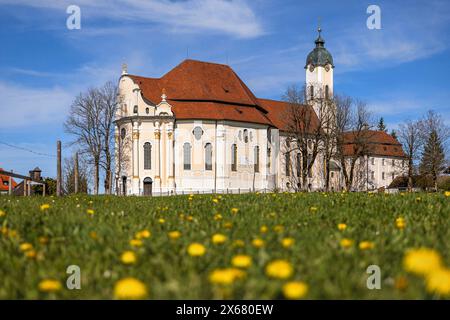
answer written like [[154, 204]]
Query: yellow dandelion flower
[[263, 229], [228, 225], [279, 269], [422, 261], [258, 243], [366, 245], [438, 282], [287, 242], [400, 223], [128, 257], [161, 221], [144, 234], [130, 288], [313, 209], [2, 213], [174, 234], [90, 211], [45, 206], [136, 243], [295, 290], [189, 218], [196, 249], [43, 240], [49, 285], [241, 261], [346, 243], [278, 228], [225, 276], [234, 210], [25, 246], [215, 200], [31, 254], [218, 238], [218, 217], [238, 243], [342, 226], [447, 193]]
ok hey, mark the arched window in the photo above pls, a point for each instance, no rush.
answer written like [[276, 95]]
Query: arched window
[[327, 92], [233, 157], [123, 133], [311, 92], [287, 157], [147, 110], [245, 135], [208, 156], [256, 160], [187, 156], [147, 156], [135, 110]]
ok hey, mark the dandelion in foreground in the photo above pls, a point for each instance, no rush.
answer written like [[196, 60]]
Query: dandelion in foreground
[[400, 223], [49, 285], [144, 234], [438, 282], [128, 257], [263, 229], [279, 269], [278, 228], [136, 243], [25, 246], [295, 290], [31, 254], [287, 242], [234, 210], [90, 211], [258, 243], [43, 240], [366, 245], [225, 276], [130, 288], [342, 226], [218, 238], [447, 193], [346, 243], [174, 234], [241, 261], [45, 206], [2, 213], [422, 261], [196, 249]]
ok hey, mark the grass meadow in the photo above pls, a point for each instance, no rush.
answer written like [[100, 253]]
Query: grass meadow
[[251, 246]]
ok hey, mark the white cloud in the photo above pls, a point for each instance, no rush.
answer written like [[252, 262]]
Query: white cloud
[[22, 106], [234, 17]]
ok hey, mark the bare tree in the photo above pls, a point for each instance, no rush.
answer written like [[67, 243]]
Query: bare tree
[[108, 100], [305, 132], [84, 123], [69, 175], [353, 135], [409, 135]]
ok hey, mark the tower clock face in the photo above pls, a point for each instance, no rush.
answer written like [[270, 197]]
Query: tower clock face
[[311, 68]]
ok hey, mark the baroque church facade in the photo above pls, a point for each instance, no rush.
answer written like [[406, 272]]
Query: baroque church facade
[[199, 128]]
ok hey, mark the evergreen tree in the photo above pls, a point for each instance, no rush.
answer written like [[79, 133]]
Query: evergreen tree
[[394, 134], [433, 157], [381, 126]]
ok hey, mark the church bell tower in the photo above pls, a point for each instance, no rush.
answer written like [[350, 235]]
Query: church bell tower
[[319, 73]]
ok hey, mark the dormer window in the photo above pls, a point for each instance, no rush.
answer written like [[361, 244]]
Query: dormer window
[[135, 109], [245, 135], [147, 110]]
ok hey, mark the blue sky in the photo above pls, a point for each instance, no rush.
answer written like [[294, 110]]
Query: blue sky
[[400, 71]]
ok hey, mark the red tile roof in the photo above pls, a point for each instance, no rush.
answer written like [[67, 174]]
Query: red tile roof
[[278, 113], [4, 181], [204, 90], [380, 143]]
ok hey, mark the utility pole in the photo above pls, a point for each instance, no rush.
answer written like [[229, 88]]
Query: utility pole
[[76, 172], [58, 169]]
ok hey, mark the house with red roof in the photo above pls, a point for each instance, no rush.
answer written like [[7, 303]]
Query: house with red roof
[[6, 183], [199, 128]]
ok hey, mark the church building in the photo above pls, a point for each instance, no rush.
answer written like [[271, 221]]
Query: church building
[[199, 128]]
